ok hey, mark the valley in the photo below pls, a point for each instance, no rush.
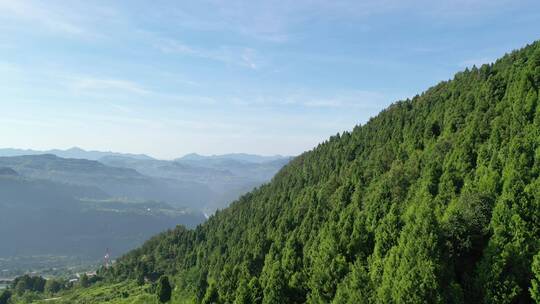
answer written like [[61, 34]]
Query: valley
[[88, 207]]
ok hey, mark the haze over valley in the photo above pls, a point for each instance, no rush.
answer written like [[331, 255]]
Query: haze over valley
[[91, 201]]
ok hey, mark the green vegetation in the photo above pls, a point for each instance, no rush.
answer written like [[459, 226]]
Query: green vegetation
[[27, 283], [98, 292], [5, 296], [164, 289], [435, 200], [535, 289]]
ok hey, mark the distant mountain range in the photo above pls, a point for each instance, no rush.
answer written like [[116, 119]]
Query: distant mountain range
[[220, 180], [241, 157], [196, 181], [92, 200], [114, 181], [74, 152]]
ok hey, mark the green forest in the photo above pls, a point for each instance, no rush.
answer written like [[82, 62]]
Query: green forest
[[434, 200]]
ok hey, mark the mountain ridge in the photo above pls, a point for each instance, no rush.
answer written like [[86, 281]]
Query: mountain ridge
[[74, 152], [78, 153], [243, 157]]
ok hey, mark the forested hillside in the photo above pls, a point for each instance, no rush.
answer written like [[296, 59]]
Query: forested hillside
[[437, 199]]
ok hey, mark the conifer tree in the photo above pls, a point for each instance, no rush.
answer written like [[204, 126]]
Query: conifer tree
[[164, 289]]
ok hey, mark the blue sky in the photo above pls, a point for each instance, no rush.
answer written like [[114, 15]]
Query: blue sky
[[214, 77]]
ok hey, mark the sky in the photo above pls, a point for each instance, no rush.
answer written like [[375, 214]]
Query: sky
[[168, 78]]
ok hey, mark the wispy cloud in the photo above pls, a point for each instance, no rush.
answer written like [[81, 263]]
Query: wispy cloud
[[241, 56], [272, 21], [39, 16], [350, 99], [107, 84], [252, 20], [186, 99], [122, 109], [278, 22], [66, 18]]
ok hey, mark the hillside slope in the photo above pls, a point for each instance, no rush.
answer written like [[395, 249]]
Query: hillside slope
[[437, 199]]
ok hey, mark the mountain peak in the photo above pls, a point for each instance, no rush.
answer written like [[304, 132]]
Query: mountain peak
[[75, 149], [192, 156]]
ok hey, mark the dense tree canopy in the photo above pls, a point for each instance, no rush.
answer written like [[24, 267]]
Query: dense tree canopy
[[435, 200], [28, 283]]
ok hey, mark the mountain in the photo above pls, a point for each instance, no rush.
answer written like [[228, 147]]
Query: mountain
[[434, 200], [224, 178], [66, 169], [74, 152], [73, 222], [115, 181], [205, 183], [241, 157]]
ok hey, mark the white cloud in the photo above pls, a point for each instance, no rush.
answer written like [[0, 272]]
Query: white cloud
[[241, 56]]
